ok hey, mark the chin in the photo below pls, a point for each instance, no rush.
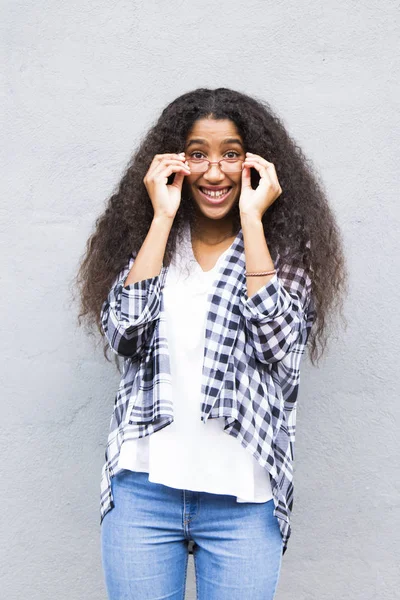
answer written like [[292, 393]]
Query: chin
[[216, 213]]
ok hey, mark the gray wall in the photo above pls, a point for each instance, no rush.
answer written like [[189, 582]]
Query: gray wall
[[84, 80]]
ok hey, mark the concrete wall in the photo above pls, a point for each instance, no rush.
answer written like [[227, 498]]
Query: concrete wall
[[83, 81]]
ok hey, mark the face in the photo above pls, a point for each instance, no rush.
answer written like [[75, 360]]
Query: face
[[214, 139]]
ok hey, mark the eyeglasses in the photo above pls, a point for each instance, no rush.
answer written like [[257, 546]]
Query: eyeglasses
[[227, 165]]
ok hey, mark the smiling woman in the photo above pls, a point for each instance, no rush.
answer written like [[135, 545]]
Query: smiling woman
[[216, 263]]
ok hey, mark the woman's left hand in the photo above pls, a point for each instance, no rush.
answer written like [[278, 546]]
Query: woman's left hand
[[255, 202]]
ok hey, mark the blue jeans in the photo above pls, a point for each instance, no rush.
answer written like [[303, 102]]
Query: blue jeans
[[237, 547]]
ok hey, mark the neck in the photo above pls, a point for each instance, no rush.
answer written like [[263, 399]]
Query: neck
[[210, 231]]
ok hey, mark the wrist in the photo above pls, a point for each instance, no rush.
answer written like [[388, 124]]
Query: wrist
[[163, 220], [249, 218]]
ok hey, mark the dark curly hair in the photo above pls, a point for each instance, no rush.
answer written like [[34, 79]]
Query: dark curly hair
[[300, 225]]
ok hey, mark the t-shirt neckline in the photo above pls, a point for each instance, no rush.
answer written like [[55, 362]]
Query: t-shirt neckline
[[194, 260]]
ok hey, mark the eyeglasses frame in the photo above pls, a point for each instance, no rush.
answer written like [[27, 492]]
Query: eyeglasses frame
[[215, 162]]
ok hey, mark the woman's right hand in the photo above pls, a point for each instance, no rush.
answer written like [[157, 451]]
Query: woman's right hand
[[166, 198]]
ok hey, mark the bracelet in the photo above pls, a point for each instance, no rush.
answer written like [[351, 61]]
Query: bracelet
[[260, 273]]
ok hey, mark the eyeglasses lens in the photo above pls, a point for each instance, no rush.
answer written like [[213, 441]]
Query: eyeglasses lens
[[227, 166]]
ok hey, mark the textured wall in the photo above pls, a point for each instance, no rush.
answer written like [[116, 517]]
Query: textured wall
[[83, 82]]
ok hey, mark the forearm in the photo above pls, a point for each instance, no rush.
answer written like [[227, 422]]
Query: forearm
[[150, 257], [275, 309], [257, 255], [133, 303]]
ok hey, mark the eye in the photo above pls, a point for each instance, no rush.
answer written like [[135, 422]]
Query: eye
[[233, 154], [197, 157]]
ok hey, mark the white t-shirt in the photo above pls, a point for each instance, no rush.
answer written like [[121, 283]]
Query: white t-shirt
[[187, 453]]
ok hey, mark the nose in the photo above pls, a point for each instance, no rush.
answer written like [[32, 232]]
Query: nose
[[214, 173]]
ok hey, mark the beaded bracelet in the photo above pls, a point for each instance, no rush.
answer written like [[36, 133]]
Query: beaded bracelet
[[260, 273]]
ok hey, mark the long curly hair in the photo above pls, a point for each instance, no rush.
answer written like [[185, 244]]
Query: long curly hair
[[300, 225]]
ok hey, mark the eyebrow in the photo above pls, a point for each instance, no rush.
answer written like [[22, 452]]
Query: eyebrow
[[205, 143]]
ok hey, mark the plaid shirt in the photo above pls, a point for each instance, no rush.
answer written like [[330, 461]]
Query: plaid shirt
[[252, 352]]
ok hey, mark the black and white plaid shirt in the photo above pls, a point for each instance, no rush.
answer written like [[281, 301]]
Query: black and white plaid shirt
[[252, 352]]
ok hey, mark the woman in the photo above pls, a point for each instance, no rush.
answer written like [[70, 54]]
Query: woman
[[214, 264]]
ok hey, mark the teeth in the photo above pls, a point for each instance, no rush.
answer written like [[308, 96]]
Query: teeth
[[215, 194]]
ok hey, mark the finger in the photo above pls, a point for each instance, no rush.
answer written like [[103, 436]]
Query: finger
[[166, 162], [167, 171], [161, 157], [246, 177], [267, 174], [163, 165], [258, 158], [255, 159], [178, 180], [170, 155], [157, 169], [262, 169]]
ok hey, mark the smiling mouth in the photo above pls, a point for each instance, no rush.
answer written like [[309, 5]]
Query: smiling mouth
[[215, 195]]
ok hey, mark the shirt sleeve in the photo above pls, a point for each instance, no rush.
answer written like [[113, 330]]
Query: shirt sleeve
[[128, 315], [276, 315]]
